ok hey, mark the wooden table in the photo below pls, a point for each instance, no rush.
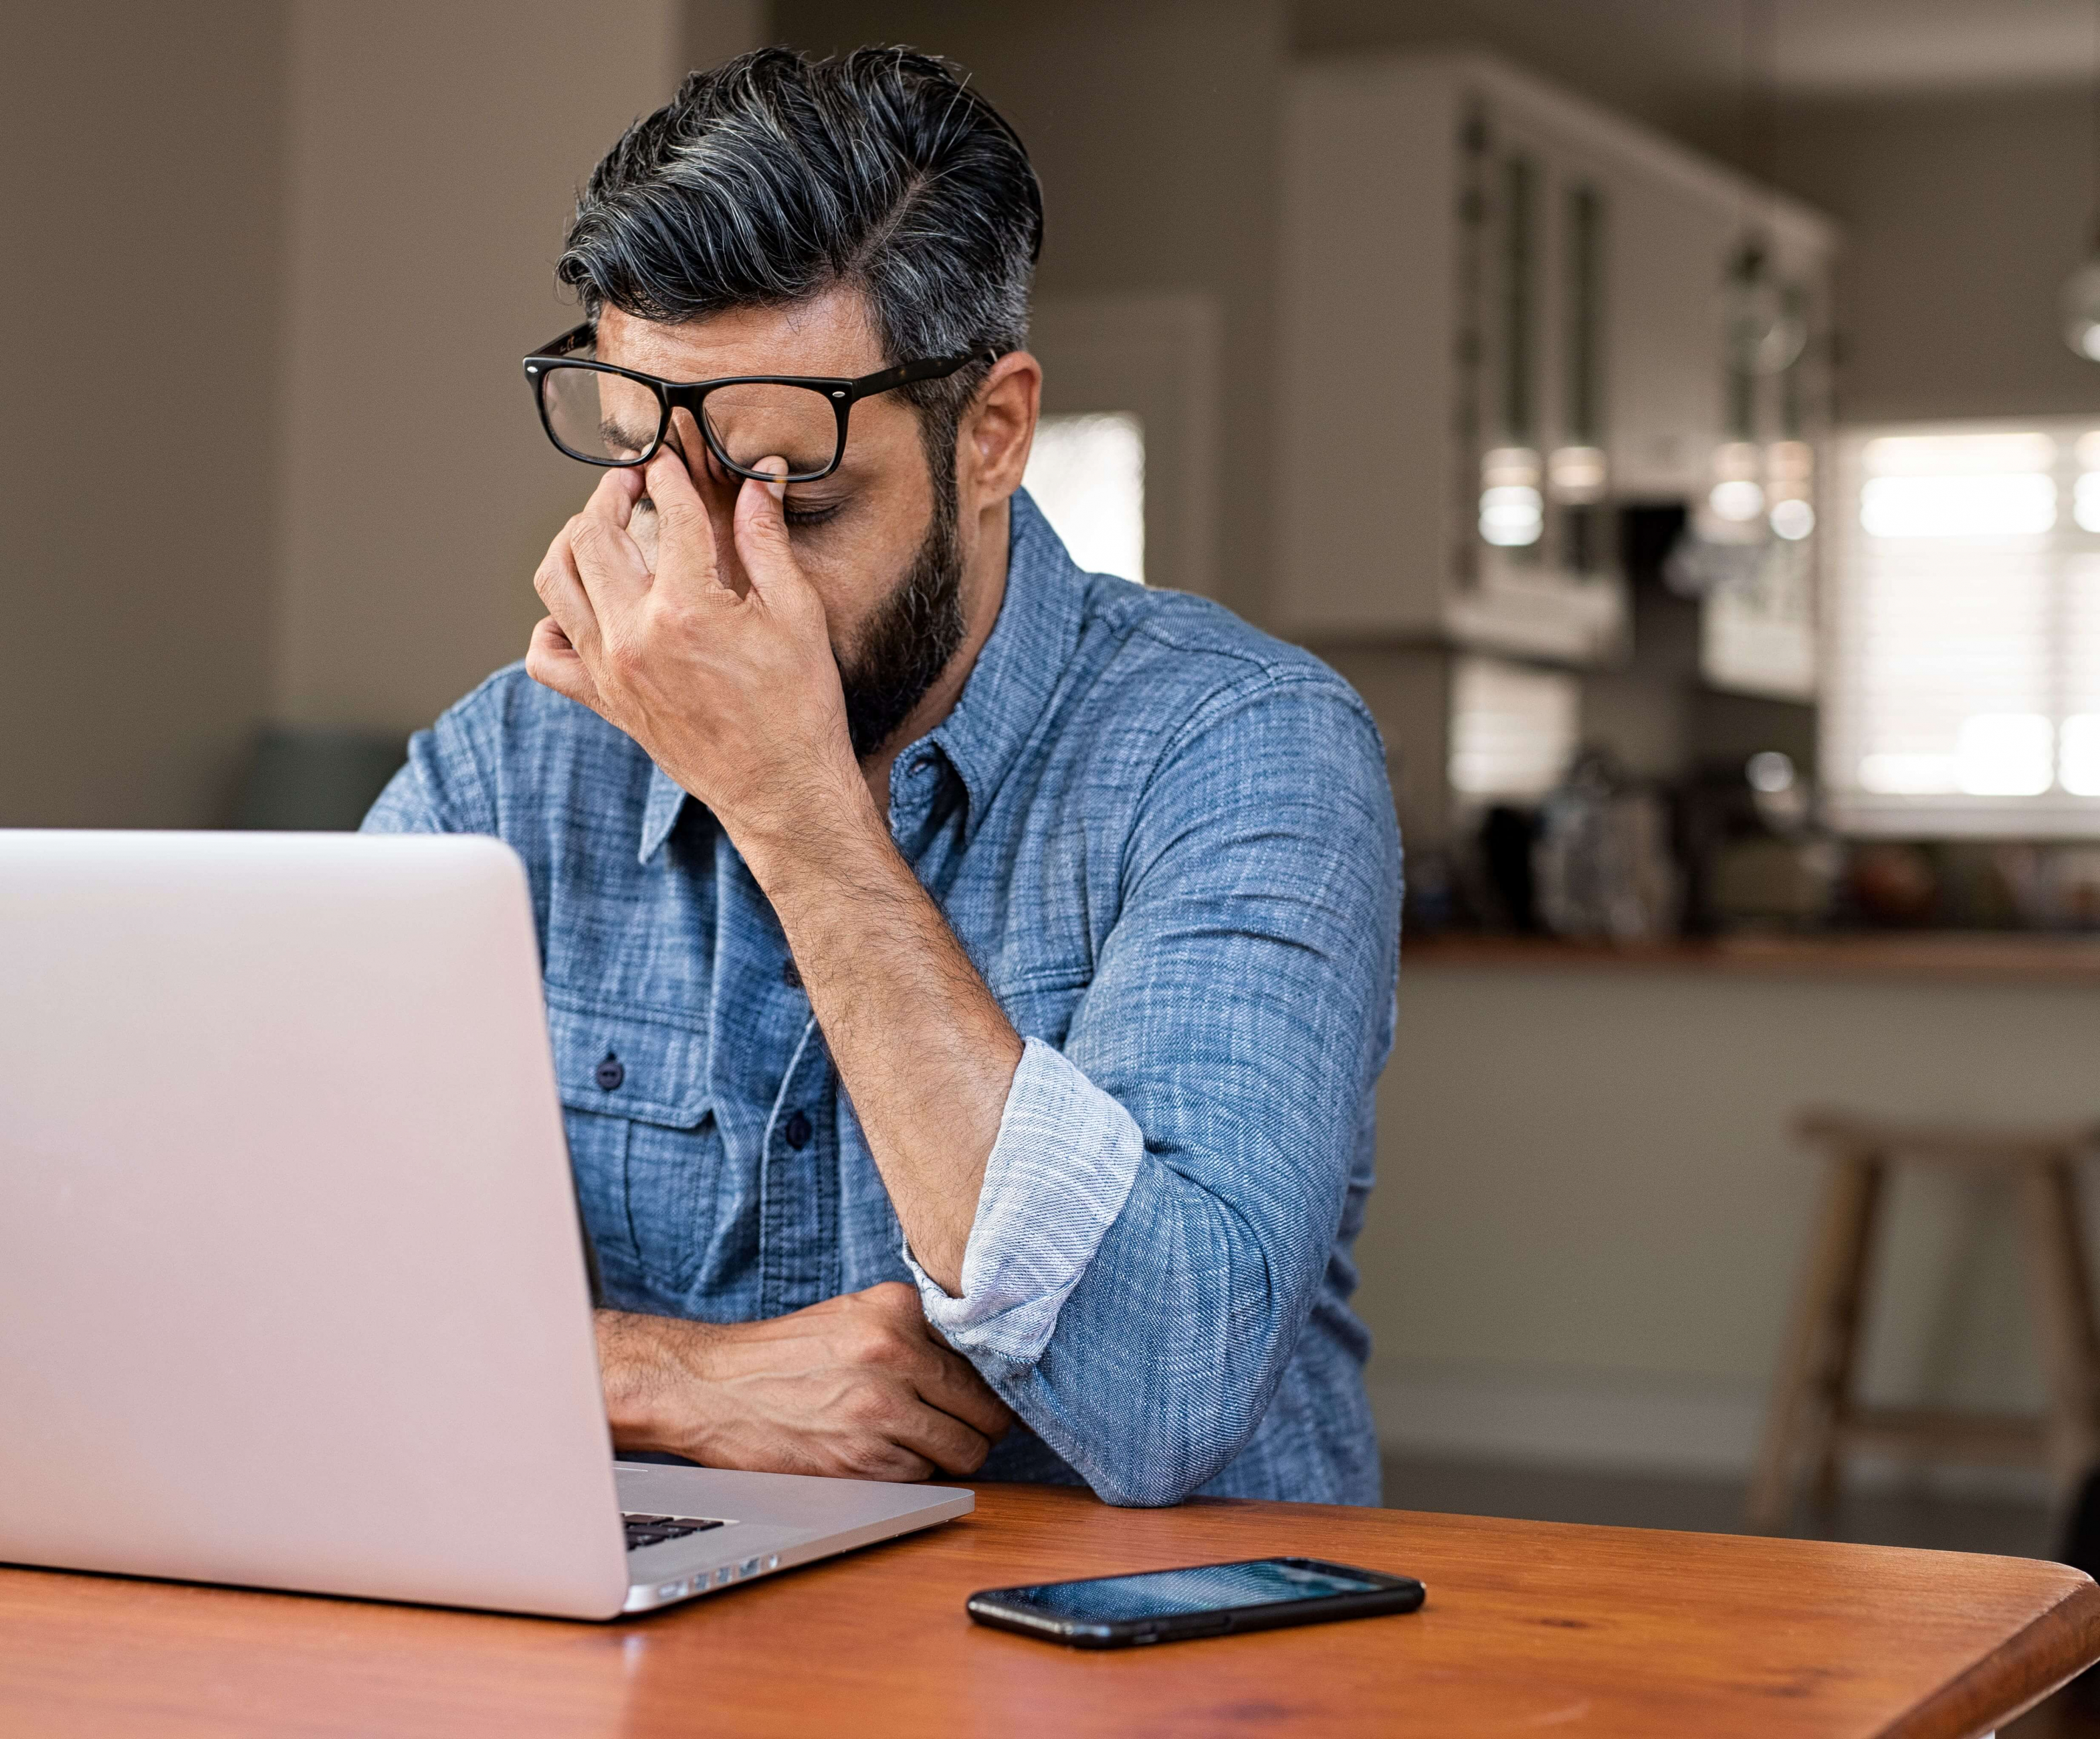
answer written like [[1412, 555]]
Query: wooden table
[[1530, 1628]]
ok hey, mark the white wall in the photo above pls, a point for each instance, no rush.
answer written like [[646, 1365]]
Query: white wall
[[1591, 1214], [435, 155]]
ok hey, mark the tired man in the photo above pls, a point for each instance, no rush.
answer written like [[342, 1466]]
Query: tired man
[[967, 976]]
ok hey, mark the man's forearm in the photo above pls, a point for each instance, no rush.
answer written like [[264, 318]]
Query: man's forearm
[[734, 691], [857, 1387], [922, 1047], [639, 1366]]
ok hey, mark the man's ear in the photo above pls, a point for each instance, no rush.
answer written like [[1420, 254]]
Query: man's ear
[[1000, 426]]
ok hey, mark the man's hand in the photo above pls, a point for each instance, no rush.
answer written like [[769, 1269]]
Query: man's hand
[[857, 1387], [717, 662], [709, 647]]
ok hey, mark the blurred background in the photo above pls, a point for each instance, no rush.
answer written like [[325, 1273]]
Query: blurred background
[[1679, 418]]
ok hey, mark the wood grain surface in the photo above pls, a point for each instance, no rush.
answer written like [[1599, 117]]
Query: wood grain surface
[[1530, 1628]]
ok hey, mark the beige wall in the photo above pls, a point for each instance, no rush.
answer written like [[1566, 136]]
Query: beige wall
[[435, 152], [303, 237], [272, 266], [1152, 125], [138, 189], [1592, 1215], [295, 189], [1963, 216], [1662, 63]]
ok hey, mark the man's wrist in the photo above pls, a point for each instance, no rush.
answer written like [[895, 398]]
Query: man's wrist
[[646, 1365], [824, 831]]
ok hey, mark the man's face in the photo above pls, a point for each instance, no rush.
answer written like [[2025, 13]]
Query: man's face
[[871, 538]]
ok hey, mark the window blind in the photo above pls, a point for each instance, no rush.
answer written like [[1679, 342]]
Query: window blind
[[1961, 682]]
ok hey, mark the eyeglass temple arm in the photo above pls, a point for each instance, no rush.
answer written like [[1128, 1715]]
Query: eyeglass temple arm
[[574, 339], [933, 368]]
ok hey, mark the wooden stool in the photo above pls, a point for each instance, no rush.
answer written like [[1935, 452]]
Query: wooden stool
[[1814, 1416]]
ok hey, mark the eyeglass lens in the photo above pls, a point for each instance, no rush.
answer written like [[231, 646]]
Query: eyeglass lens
[[609, 419], [606, 418], [760, 420]]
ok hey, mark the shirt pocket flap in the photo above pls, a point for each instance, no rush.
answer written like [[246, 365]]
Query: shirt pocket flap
[[626, 1065]]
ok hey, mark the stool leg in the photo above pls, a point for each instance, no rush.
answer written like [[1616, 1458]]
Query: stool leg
[[1841, 1350], [1815, 1370], [2060, 1287]]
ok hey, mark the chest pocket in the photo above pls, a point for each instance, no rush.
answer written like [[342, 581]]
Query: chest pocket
[[644, 1141]]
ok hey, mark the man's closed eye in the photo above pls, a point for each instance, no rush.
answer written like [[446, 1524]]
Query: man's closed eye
[[801, 514]]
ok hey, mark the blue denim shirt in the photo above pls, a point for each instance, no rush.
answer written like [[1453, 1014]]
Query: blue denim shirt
[[1168, 842]]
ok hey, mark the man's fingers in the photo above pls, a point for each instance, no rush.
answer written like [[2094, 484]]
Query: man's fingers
[[942, 1377], [879, 1459], [953, 1386], [942, 1439], [762, 543], [684, 440], [614, 498], [608, 561], [561, 589], [685, 538], [552, 662]]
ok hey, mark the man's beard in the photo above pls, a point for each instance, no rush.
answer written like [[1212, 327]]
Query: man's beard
[[911, 637]]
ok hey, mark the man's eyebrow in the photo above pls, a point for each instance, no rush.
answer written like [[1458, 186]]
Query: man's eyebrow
[[614, 436]]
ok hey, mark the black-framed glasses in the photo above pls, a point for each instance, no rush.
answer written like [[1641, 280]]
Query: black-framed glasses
[[603, 415]]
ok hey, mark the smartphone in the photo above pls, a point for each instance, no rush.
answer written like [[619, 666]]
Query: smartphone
[[1204, 1600]]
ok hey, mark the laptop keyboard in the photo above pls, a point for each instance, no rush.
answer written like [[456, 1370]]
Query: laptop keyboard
[[653, 1530]]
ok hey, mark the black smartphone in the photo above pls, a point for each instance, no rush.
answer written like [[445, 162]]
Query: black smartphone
[[1204, 1600]]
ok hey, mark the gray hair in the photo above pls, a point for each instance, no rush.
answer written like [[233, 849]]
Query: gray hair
[[774, 178]]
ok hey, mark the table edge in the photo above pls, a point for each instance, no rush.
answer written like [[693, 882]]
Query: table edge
[[2014, 1676]]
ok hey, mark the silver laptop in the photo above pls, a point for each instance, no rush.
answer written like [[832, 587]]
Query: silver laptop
[[292, 1289]]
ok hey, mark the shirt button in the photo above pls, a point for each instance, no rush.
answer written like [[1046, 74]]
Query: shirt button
[[922, 766], [611, 1073], [797, 1130], [791, 976]]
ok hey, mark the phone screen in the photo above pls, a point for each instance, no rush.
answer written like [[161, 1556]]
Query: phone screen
[[1212, 1587]]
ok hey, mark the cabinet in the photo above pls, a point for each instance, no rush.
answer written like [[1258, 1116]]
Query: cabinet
[[1503, 317]]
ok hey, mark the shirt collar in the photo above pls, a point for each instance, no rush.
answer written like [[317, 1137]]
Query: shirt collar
[[660, 813], [1007, 691], [1009, 687]]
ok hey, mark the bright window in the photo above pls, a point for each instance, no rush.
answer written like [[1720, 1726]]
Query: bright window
[[1513, 729], [1961, 690], [1087, 475]]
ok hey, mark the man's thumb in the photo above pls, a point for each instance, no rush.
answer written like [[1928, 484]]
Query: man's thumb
[[762, 546]]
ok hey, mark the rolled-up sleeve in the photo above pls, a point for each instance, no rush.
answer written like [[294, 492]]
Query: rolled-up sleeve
[[1161, 1207], [1064, 1161]]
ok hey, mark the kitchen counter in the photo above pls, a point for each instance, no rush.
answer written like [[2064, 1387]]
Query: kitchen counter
[[1960, 956], [1592, 1209]]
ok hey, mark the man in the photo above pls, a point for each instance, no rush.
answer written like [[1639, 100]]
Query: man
[[967, 976]]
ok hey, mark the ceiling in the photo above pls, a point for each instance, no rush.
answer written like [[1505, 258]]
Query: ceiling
[[1664, 59]]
